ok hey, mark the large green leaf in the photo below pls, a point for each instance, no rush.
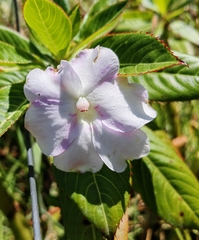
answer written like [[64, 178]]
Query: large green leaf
[[166, 184], [178, 83], [12, 104], [102, 198], [50, 24], [138, 53]]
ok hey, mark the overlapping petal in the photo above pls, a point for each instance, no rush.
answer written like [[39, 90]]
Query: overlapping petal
[[70, 81], [114, 148], [42, 84], [53, 124], [81, 155], [122, 106], [94, 66]]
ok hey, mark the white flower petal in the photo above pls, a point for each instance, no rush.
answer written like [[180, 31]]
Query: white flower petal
[[70, 81], [42, 84], [81, 155], [53, 124], [115, 147], [94, 66], [121, 105]]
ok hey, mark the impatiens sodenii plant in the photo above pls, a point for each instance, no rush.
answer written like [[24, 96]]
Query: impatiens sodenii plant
[[85, 106]]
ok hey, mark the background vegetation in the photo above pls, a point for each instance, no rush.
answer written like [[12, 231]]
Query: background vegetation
[[174, 96]]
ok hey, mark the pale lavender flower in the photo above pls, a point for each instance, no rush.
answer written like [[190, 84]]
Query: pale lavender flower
[[84, 115]]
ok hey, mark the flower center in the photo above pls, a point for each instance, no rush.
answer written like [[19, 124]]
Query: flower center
[[82, 104]]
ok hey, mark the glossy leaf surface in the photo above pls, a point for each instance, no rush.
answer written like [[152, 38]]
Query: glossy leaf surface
[[101, 197], [166, 184], [138, 53], [178, 83]]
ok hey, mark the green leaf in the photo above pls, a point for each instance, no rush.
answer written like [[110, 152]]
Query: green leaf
[[101, 197], [11, 55], [138, 53], [178, 83], [75, 224], [180, 29], [15, 74], [166, 184], [181, 45], [75, 20], [164, 7], [15, 39], [133, 20], [12, 104], [22, 45], [99, 6], [107, 28], [64, 4], [101, 19], [50, 24], [175, 5]]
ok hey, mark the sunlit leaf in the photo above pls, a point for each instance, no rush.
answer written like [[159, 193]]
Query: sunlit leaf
[[102, 197], [163, 6], [138, 53], [166, 184], [12, 104], [178, 83], [50, 23]]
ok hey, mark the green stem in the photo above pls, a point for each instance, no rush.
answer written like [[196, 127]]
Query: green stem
[[179, 234]]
